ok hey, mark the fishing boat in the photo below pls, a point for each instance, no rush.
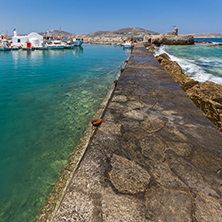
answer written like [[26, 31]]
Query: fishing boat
[[69, 46], [4, 46], [76, 42], [127, 45], [41, 47], [56, 44], [15, 47]]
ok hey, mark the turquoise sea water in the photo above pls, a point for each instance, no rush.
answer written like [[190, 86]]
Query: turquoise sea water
[[47, 99], [201, 62]]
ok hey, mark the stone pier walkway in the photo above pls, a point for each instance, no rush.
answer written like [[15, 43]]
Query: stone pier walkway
[[155, 157]]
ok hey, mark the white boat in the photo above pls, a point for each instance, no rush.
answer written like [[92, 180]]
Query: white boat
[[4, 46], [41, 47], [15, 48], [76, 42], [127, 45], [69, 46], [56, 44]]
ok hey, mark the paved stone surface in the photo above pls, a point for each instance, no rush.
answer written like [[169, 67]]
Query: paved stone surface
[[155, 157]]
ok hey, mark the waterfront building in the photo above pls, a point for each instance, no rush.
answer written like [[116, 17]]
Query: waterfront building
[[19, 40], [34, 38]]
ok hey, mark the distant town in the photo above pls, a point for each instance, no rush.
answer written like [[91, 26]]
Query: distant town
[[58, 39]]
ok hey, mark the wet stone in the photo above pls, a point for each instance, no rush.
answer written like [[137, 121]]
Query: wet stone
[[129, 124], [189, 174], [149, 100], [167, 178], [119, 98], [115, 105], [127, 176], [172, 117], [152, 147], [207, 208], [180, 148], [163, 105], [171, 133], [167, 205], [110, 128], [121, 208], [132, 105], [205, 159], [138, 133], [77, 207], [135, 114], [152, 123]]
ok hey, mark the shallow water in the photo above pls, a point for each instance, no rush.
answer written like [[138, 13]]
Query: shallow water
[[47, 99], [199, 61]]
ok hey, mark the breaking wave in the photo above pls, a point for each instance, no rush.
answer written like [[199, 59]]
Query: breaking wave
[[198, 68]]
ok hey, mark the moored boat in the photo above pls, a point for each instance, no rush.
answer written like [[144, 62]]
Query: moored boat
[[41, 47], [4, 46], [76, 42], [56, 44], [69, 47], [127, 45], [15, 48]]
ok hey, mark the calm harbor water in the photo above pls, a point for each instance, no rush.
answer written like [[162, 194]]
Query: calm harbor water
[[199, 61], [47, 99]]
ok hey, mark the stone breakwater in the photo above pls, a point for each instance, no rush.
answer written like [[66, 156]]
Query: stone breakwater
[[207, 96], [169, 40], [155, 157]]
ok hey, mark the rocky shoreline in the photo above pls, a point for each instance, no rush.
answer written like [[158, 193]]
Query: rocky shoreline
[[170, 38], [207, 95]]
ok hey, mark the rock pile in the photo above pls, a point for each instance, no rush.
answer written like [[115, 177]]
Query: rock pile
[[207, 96], [216, 44], [203, 42], [174, 32], [171, 38]]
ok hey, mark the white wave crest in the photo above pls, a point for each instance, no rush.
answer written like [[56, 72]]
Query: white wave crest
[[191, 68]]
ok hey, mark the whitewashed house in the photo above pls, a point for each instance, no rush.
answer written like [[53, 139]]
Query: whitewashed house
[[19, 40], [34, 38]]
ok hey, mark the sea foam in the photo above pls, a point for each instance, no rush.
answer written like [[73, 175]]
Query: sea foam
[[194, 67]]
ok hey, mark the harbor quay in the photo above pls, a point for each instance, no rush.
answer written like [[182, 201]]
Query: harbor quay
[[155, 156]]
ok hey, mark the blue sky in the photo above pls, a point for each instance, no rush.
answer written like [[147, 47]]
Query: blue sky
[[191, 16]]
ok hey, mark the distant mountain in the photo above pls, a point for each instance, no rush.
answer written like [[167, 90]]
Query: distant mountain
[[58, 33], [207, 35], [124, 32], [128, 32]]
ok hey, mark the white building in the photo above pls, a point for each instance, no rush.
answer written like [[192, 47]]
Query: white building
[[19, 40], [34, 38]]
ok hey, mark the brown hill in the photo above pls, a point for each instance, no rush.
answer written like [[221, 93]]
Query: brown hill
[[128, 32], [58, 33], [124, 32]]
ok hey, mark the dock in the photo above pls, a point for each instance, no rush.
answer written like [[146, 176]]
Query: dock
[[154, 158]]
